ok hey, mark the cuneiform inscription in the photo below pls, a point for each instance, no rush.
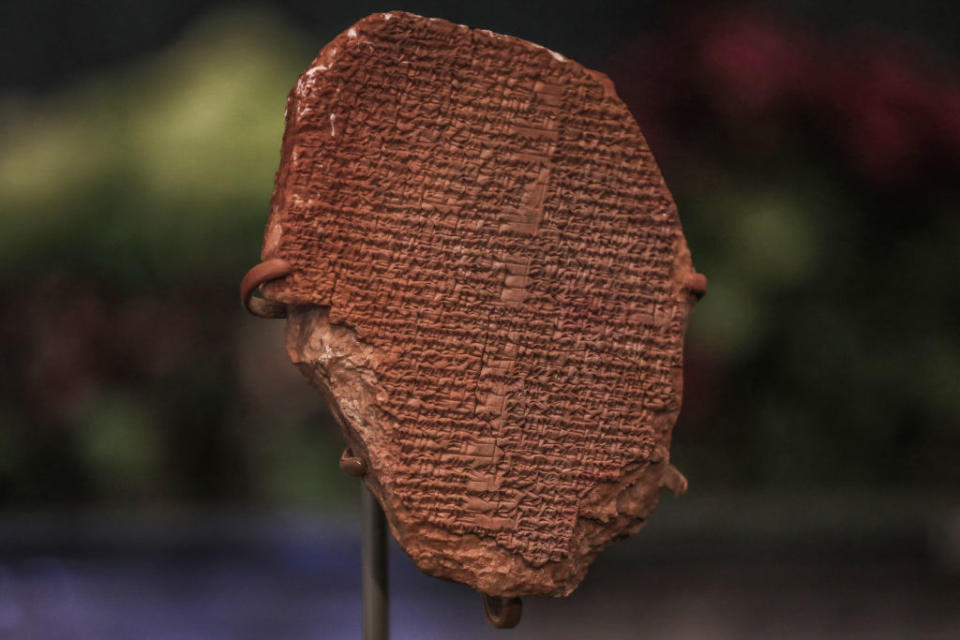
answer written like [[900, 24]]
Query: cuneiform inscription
[[487, 216]]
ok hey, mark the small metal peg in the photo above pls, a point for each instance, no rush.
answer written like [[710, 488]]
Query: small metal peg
[[503, 613], [352, 465], [697, 285], [674, 480], [264, 272]]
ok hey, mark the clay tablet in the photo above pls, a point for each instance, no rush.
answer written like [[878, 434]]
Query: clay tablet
[[483, 271]]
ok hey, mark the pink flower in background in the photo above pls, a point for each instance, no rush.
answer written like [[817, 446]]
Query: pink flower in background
[[761, 81], [750, 62], [883, 112]]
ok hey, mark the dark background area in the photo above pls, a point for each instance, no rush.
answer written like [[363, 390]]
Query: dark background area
[[166, 473]]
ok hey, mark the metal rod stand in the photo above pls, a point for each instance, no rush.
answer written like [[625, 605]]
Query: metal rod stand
[[375, 594]]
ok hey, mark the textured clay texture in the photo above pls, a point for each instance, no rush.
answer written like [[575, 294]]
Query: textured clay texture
[[490, 285]]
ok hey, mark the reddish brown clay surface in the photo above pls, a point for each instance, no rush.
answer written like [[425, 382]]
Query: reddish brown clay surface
[[490, 285]]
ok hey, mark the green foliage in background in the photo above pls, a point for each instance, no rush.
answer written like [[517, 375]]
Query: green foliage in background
[[179, 151], [147, 186]]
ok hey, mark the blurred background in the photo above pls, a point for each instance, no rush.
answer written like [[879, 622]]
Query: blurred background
[[166, 473]]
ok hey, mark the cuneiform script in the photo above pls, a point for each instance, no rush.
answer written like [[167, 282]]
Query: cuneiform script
[[489, 282]]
